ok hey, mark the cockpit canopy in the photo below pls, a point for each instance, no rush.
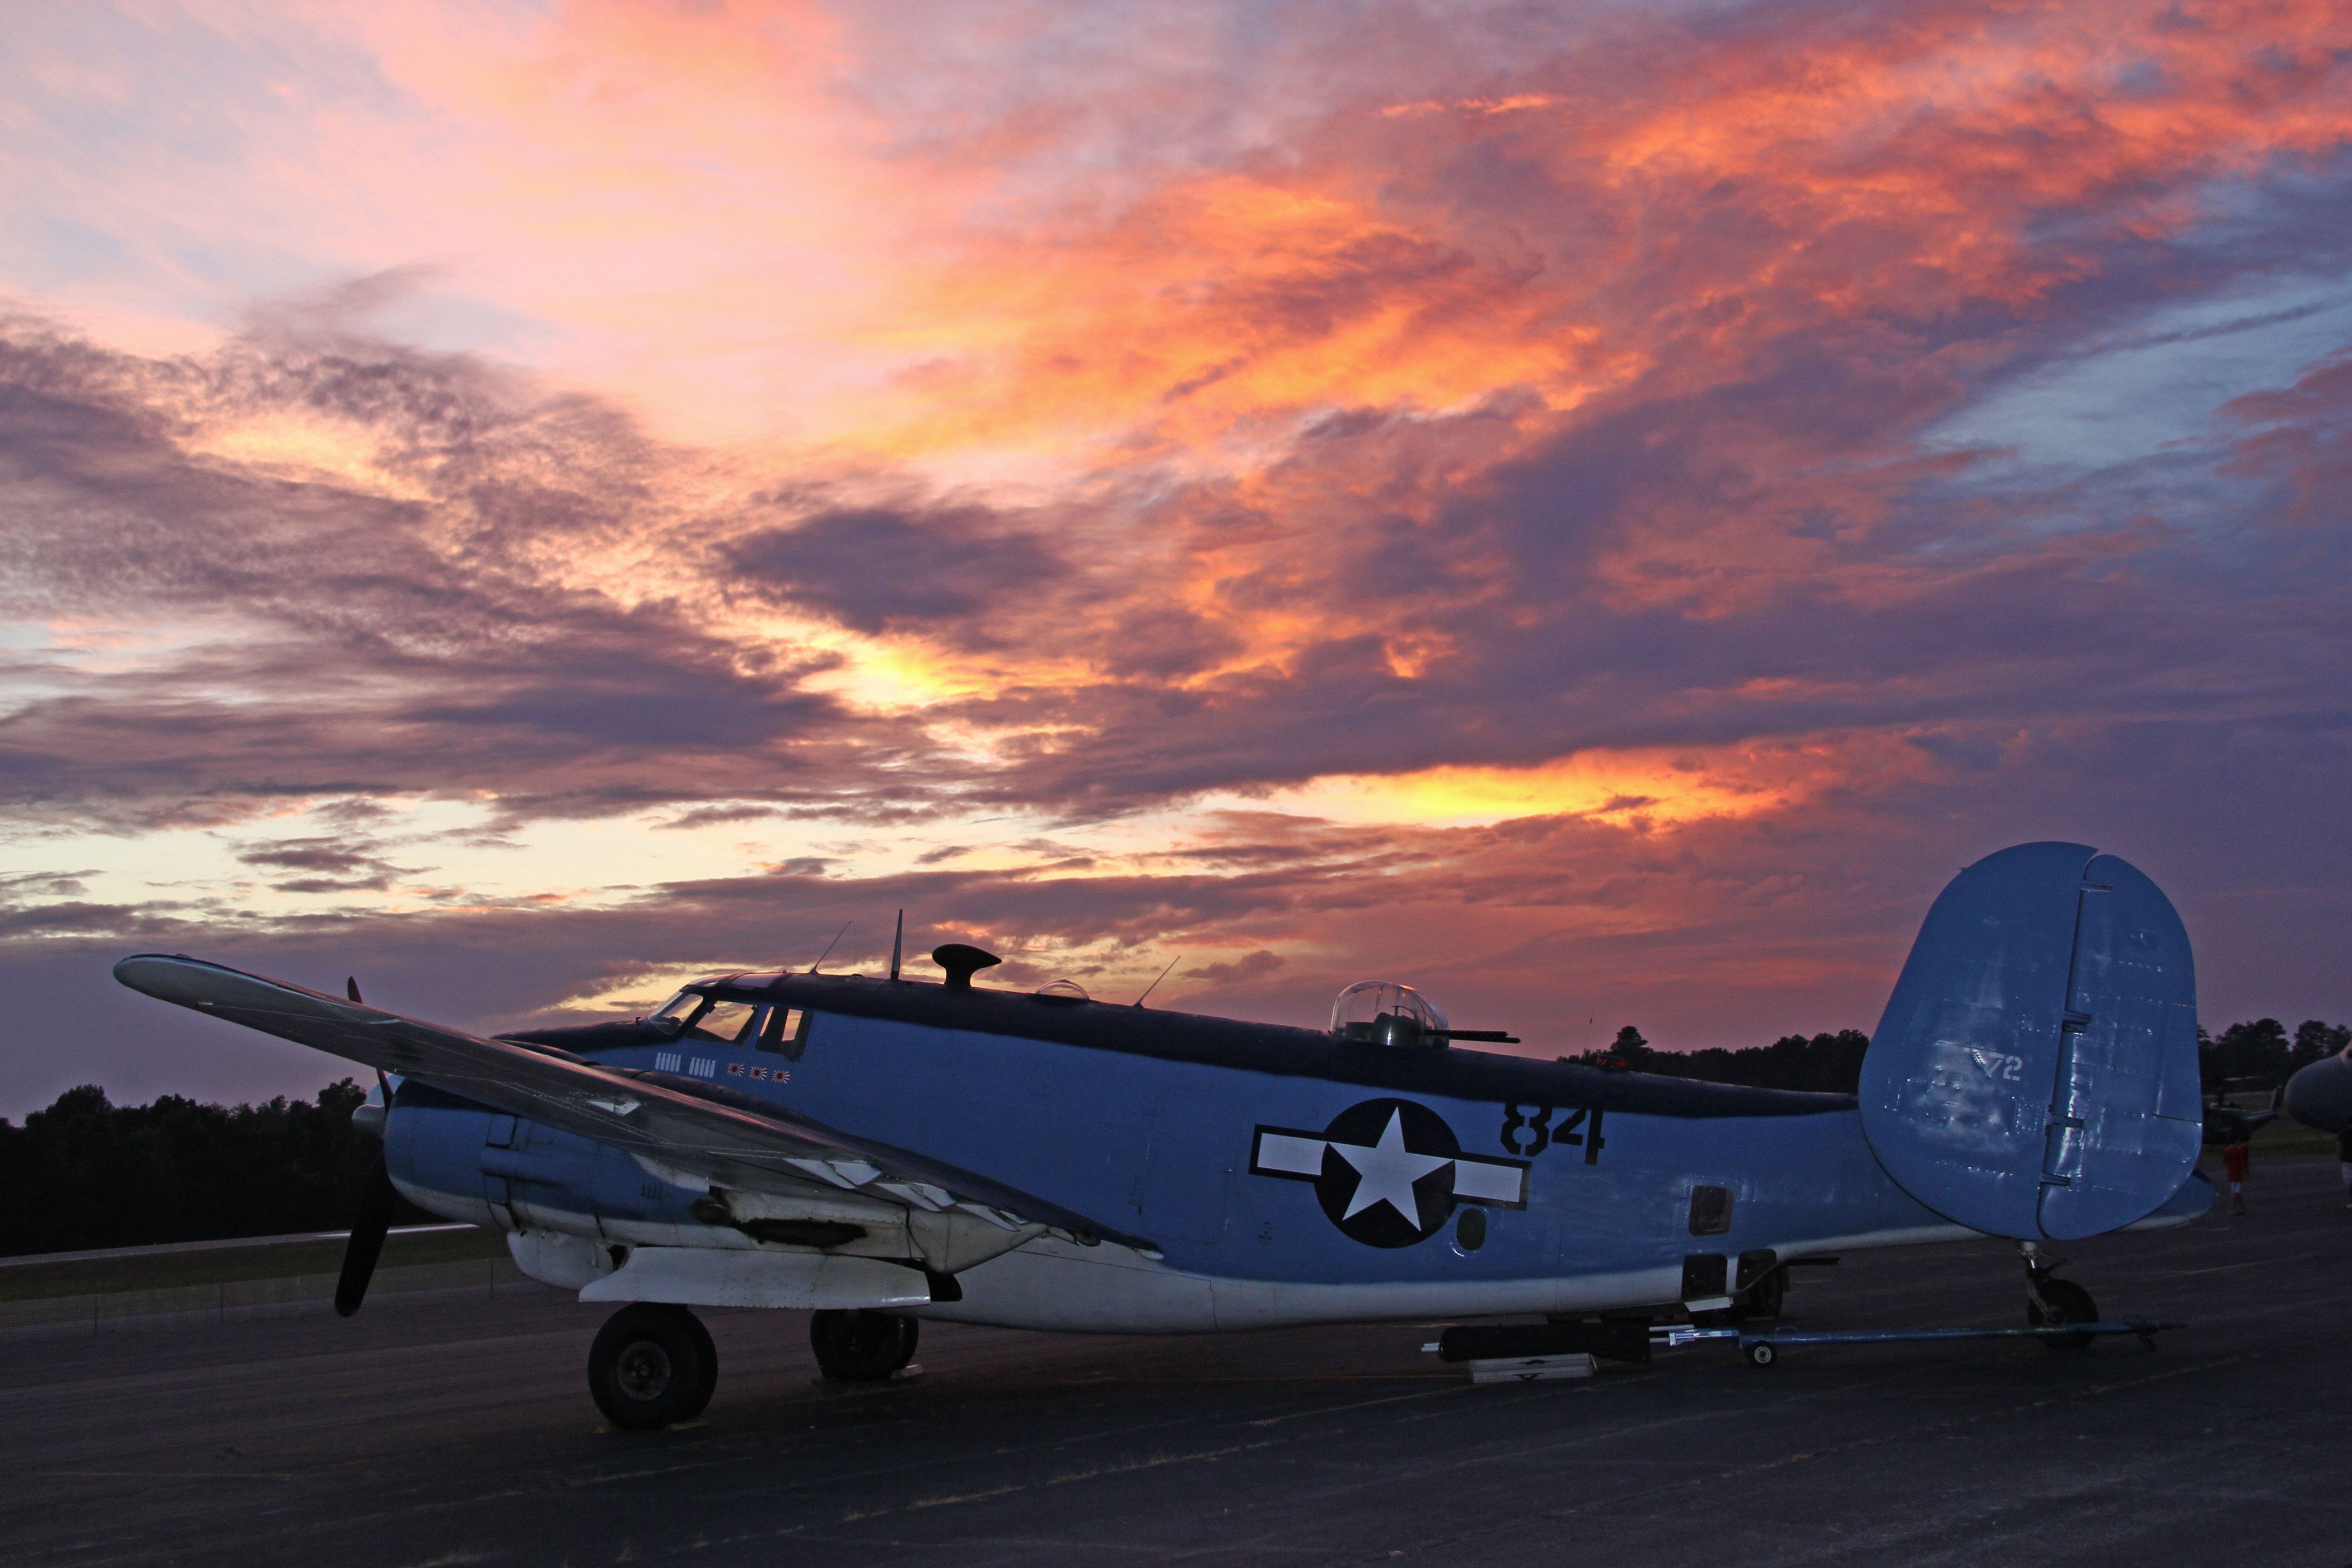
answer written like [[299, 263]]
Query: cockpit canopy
[[705, 1020], [1383, 1012]]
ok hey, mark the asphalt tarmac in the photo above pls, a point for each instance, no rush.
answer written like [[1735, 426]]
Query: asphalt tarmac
[[460, 1431]]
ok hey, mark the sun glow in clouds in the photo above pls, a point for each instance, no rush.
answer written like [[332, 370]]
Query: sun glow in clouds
[[1645, 789], [1574, 506]]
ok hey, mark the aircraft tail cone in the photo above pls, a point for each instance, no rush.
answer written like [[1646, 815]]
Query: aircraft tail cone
[[366, 1245]]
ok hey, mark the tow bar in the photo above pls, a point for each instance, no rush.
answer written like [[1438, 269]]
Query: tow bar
[[1763, 1349]]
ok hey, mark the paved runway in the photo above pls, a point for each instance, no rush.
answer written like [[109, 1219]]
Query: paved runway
[[460, 1431]]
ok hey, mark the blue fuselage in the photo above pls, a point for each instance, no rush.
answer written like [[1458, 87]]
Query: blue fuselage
[[1279, 1175]]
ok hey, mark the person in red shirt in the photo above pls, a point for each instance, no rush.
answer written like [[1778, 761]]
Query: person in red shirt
[[2233, 1167]]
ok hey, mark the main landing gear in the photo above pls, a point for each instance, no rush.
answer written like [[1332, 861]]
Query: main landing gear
[[862, 1346], [652, 1366]]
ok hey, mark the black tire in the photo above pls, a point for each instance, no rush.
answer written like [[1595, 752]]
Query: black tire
[[652, 1366], [2062, 1302], [1761, 1352], [862, 1346], [710, 1363], [1763, 1299]]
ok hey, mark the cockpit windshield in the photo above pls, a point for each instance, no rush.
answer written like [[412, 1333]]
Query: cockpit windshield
[[723, 1022], [691, 1015], [1383, 1012]]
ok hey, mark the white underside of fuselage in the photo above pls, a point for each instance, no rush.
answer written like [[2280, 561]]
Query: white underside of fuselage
[[1052, 1284]]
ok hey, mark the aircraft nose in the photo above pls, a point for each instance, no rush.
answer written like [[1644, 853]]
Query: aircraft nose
[[2321, 1095]]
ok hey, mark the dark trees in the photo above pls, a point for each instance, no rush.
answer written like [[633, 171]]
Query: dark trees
[[86, 1172], [1827, 1064], [2261, 1050]]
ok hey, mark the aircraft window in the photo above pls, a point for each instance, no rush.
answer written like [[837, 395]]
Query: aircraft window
[[673, 1012], [787, 1031], [1711, 1213], [726, 1023], [1383, 1012]]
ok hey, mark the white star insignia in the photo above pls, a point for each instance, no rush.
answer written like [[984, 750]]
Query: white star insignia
[[1386, 1172]]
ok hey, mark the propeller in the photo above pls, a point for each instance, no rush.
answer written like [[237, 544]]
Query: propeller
[[366, 1244], [374, 1218]]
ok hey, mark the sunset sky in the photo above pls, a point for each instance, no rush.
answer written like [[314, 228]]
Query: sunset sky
[[1597, 512]]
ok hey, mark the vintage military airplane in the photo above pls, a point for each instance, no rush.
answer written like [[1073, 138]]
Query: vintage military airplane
[[887, 1150]]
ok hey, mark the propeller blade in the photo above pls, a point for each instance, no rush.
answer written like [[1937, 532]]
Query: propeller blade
[[367, 1240]]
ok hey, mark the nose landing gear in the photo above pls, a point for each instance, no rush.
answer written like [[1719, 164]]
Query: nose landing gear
[[652, 1366]]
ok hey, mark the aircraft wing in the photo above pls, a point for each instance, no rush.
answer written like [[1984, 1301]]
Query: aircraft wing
[[726, 1138]]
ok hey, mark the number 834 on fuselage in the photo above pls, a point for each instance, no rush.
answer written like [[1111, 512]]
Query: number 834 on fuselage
[[883, 1151]]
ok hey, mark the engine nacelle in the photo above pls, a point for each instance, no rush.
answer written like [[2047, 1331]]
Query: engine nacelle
[[467, 1162], [2320, 1095], [578, 1213]]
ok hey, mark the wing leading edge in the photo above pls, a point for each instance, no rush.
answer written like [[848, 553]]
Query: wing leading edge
[[723, 1137]]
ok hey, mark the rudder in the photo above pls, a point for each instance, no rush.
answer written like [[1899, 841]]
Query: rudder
[[2035, 1072]]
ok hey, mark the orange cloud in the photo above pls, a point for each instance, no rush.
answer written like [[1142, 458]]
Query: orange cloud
[[1528, 471]]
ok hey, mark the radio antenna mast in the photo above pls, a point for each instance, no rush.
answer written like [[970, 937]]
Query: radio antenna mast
[[830, 945], [1157, 978]]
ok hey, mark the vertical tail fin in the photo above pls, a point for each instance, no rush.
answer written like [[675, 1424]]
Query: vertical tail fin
[[2035, 1073]]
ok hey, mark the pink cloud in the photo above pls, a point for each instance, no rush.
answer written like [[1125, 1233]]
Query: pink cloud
[[1148, 429]]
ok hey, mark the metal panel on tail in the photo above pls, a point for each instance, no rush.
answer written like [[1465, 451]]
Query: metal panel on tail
[[2126, 1116], [2035, 1073]]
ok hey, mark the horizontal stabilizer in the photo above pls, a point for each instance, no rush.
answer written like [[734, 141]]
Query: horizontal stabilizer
[[2035, 1073]]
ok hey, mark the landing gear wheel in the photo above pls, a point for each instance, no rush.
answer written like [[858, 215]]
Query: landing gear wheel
[[710, 1363], [652, 1366], [1763, 1299], [1760, 1353], [2060, 1301], [861, 1346]]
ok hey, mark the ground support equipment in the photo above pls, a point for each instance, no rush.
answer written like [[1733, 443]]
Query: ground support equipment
[[1763, 1348]]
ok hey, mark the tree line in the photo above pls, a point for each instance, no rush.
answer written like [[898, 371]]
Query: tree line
[[2256, 1054], [2263, 1049], [86, 1172]]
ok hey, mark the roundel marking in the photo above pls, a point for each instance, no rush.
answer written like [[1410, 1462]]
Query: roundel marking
[[1388, 1172]]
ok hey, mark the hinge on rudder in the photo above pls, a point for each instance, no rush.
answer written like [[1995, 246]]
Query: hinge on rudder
[[2062, 1149]]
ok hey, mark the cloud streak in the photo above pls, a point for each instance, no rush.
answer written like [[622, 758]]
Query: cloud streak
[[1501, 500]]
